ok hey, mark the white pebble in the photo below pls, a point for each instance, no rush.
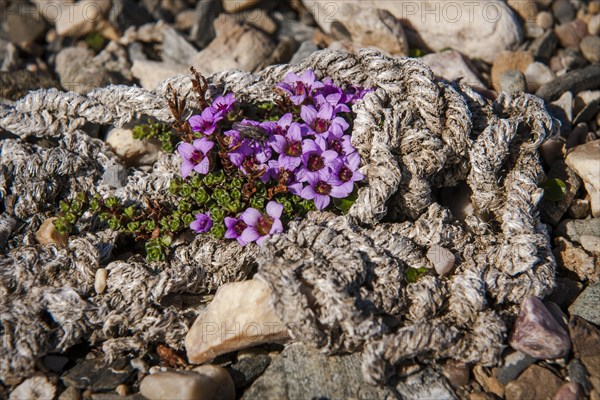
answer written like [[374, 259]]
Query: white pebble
[[100, 280], [441, 258]]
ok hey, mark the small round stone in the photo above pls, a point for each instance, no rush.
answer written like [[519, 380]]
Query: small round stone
[[100, 280], [441, 258], [513, 82], [590, 48], [545, 20], [122, 390]]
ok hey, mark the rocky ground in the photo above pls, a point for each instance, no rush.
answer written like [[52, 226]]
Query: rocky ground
[[546, 47]]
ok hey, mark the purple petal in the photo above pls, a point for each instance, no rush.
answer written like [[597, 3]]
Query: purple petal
[[250, 234], [277, 227], [289, 163], [285, 120], [326, 112], [308, 193], [278, 143], [274, 209], [204, 145], [321, 201], [308, 114], [203, 166], [295, 188], [251, 216], [294, 133], [291, 77], [185, 150], [339, 192], [196, 122], [230, 222], [241, 241], [308, 77], [353, 161], [309, 145], [329, 155], [186, 168]]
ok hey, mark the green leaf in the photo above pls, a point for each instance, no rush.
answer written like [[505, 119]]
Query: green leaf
[[554, 189], [347, 202], [413, 274]]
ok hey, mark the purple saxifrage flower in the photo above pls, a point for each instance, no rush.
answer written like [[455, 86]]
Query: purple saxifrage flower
[[299, 87], [203, 223], [223, 104], [195, 156], [320, 190], [260, 227], [317, 160], [235, 228], [289, 147], [344, 174], [206, 122], [324, 121]]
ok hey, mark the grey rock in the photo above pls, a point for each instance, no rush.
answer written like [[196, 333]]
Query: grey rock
[[590, 48], [306, 49], [514, 363], [588, 112], [151, 73], [116, 396], [562, 109], [135, 51], [37, 387], [513, 82], [577, 135], [55, 363], [115, 176], [552, 211], [246, 370], [451, 65], [203, 31], [584, 160], [586, 342], [579, 375], [301, 372], [576, 81], [288, 27], [175, 48], [208, 382], [571, 59], [79, 72], [70, 393], [563, 11], [426, 384], [97, 375], [586, 304], [23, 23], [537, 333], [10, 56], [536, 75], [575, 228], [282, 53], [543, 47], [558, 314]]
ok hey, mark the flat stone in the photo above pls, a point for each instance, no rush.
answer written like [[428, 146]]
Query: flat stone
[[304, 51], [586, 304], [569, 34], [590, 243], [48, 234], [115, 176], [553, 210], [236, 46], [23, 24], [457, 372], [478, 38], [426, 384], [374, 28], [488, 381], [586, 347], [301, 372], [536, 75], [579, 375], [176, 48], [543, 47], [577, 136], [451, 65], [563, 11], [587, 113], [562, 109], [576, 259], [70, 393], [210, 382], [584, 160], [568, 391], [537, 333], [94, 374], [37, 387], [509, 61], [151, 73], [55, 362], [132, 151], [590, 48], [514, 363], [79, 71], [573, 229], [579, 209], [241, 315], [534, 383], [246, 370], [575, 81], [80, 18], [441, 258], [565, 292]]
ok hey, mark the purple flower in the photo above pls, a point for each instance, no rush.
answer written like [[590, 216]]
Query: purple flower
[[235, 227], [251, 156], [317, 160], [259, 226], [320, 190], [203, 223], [324, 122], [195, 156], [292, 184], [333, 99], [299, 87], [344, 174], [355, 93], [205, 122], [289, 147], [283, 124], [341, 145], [223, 104]]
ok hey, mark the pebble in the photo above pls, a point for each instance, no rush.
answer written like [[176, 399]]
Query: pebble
[[208, 382], [115, 175], [151, 73], [588, 113], [304, 51], [536, 75], [562, 109], [574, 229], [587, 78], [576, 136], [451, 65], [97, 375], [240, 315], [100, 280], [534, 383], [55, 362], [590, 48], [543, 47], [513, 82], [586, 304], [79, 71], [568, 35], [185, 20], [586, 342], [139, 364], [457, 373], [81, 18], [568, 391], [488, 381], [132, 151], [585, 98], [441, 258], [175, 48], [247, 369], [509, 61], [594, 25], [122, 390], [47, 234], [16, 84], [571, 59], [579, 209], [579, 375], [553, 210], [563, 11], [36, 387], [545, 20], [590, 243], [23, 24], [70, 393], [584, 160], [514, 363], [537, 333], [565, 292]]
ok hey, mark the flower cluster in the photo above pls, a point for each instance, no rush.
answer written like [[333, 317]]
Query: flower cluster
[[278, 160]]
